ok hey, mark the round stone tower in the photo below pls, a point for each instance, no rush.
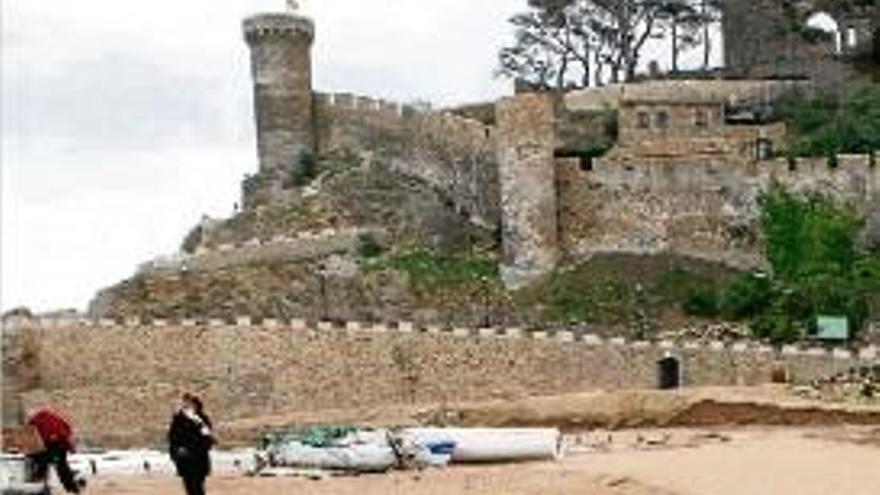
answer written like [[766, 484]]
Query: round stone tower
[[281, 63]]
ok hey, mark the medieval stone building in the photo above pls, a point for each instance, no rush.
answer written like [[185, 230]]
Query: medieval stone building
[[797, 38], [690, 160]]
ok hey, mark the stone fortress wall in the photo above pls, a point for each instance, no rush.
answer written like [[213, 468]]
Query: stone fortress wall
[[128, 374], [705, 210], [672, 184], [454, 154], [304, 246]]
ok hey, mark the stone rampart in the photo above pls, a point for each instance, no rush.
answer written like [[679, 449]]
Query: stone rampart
[[702, 208], [127, 374], [720, 91], [305, 246], [452, 153]]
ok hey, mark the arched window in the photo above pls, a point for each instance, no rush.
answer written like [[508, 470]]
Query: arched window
[[824, 22], [852, 37]]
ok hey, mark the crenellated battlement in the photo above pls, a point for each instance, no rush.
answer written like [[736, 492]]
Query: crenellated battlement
[[250, 367], [348, 102], [585, 341], [277, 25]]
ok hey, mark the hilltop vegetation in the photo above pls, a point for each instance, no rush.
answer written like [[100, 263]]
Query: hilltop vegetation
[[817, 269], [846, 120]]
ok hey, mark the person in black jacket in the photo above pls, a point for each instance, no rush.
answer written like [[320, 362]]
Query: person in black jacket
[[190, 439]]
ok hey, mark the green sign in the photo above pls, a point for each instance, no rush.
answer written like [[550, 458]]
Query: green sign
[[832, 328]]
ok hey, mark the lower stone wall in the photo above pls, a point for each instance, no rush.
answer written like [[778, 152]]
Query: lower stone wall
[[121, 382], [701, 208]]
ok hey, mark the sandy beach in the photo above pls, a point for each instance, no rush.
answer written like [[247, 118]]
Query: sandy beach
[[839, 461]]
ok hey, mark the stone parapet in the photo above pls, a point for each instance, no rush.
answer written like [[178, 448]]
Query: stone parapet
[[277, 24]]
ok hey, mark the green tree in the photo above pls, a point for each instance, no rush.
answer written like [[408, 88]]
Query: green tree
[[825, 124], [810, 236], [811, 243], [559, 43], [684, 21]]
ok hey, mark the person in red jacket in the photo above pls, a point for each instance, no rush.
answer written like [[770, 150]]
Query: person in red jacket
[[57, 436]]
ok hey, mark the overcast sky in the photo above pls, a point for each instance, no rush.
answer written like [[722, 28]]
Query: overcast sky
[[124, 121]]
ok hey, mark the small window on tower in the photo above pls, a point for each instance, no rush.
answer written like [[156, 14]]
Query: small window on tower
[[852, 37], [701, 118], [644, 120], [765, 149], [662, 120]]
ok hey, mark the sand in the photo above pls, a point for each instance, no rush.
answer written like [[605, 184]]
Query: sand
[[753, 462], [692, 407], [839, 461], [531, 479]]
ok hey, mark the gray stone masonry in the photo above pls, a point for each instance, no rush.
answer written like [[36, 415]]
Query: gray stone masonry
[[526, 140], [282, 72]]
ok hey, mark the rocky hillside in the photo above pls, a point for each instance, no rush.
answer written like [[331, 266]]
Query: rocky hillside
[[389, 248], [420, 260]]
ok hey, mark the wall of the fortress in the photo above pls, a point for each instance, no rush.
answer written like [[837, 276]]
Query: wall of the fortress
[[699, 208], [128, 376], [452, 153], [305, 246], [526, 143]]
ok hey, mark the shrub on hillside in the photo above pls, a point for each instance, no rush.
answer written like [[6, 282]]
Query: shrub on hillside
[[746, 297], [369, 247], [817, 269], [704, 304], [429, 269], [823, 125]]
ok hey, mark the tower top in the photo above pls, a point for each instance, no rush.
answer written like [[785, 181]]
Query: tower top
[[278, 24]]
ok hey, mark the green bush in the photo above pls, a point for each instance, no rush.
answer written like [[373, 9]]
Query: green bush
[[808, 236], [746, 297], [305, 171], [705, 304], [777, 328], [369, 247], [428, 269], [817, 270], [829, 124]]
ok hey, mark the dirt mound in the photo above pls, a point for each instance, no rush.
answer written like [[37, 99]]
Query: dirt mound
[[718, 413], [766, 406]]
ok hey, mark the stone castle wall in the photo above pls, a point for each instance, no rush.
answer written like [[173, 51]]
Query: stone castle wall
[[119, 381], [526, 145], [305, 246], [702, 208], [454, 154]]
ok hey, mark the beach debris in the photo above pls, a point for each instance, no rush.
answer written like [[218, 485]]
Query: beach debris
[[492, 444]]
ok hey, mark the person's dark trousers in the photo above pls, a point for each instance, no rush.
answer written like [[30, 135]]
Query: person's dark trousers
[[195, 485], [55, 455]]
